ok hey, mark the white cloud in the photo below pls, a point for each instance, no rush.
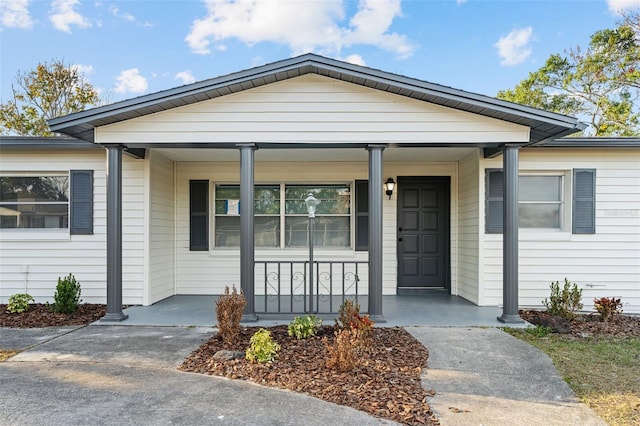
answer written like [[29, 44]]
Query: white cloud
[[355, 60], [126, 16], [459, 2], [617, 6], [15, 14], [311, 26], [130, 81], [513, 48], [64, 15], [186, 77]]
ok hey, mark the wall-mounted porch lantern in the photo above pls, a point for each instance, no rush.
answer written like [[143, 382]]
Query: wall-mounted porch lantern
[[311, 203], [389, 185]]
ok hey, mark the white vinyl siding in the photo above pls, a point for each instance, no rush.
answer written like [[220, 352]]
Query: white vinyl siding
[[308, 109], [606, 263], [34, 265], [161, 228], [469, 227]]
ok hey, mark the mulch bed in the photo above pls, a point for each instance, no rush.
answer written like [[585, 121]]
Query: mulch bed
[[590, 325], [386, 383], [40, 315]]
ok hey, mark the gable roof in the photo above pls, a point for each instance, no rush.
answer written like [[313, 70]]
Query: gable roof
[[544, 125]]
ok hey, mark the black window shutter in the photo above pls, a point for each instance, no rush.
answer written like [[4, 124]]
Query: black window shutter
[[81, 203], [494, 188], [362, 215], [584, 201], [198, 215]]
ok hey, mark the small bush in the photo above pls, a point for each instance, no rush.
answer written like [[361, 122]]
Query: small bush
[[349, 318], [564, 302], [263, 348], [67, 296], [229, 308], [608, 307], [347, 314], [345, 351], [303, 327], [364, 325], [19, 303]]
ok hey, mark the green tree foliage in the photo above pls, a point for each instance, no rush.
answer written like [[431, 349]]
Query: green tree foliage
[[599, 84], [50, 90]]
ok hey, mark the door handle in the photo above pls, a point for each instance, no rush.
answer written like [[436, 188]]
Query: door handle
[[400, 229]]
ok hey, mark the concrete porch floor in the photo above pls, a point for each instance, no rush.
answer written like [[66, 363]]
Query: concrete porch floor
[[437, 310]]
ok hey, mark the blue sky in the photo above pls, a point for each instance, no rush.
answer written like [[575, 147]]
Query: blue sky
[[129, 48]]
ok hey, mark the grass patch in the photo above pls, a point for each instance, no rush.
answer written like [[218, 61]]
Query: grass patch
[[603, 372], [4, 355]]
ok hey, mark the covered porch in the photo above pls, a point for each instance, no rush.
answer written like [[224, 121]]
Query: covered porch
[[304, 104]]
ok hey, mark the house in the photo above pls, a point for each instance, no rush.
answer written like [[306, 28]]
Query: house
[[157, 195]]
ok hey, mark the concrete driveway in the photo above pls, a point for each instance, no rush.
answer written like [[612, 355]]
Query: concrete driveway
[[111, 375], [127, 375]]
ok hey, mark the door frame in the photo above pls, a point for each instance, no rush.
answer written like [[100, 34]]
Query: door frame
[[446, 180]]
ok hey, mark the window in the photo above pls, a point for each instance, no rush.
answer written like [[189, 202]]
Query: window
[[34, 202], [281, 222], [332, 221], [266, 222], [540, 202], [542, 199]]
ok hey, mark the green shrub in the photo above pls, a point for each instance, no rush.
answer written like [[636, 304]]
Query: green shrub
[[608, 307], [19, 303], [67, 296], [263, 348], [229, 308], [564, 302], [303, 327]]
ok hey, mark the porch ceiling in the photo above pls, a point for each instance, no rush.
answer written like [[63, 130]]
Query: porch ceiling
[[333, 155]]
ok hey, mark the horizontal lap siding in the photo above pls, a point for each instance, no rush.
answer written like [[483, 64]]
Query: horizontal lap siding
[[161, 228], [468, 223], [35, 265], [606, 264], [312, 109]]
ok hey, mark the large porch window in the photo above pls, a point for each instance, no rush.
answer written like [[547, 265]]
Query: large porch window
[[282, 221]]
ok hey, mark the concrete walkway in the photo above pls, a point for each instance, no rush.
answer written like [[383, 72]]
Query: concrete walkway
[[112, 375], [484, 376]]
